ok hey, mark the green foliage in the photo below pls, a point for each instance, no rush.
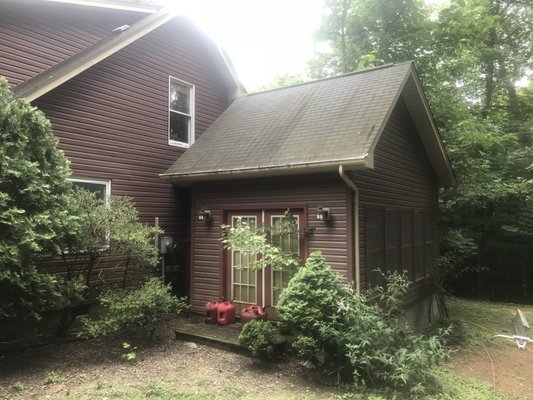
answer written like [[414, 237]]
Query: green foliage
[[470, 54], [33, 207], [262, 338], [130, 354], [142, 307], [306, 347], [281, 81], [257, 241], [315, 281], [101, 230], [366, 33], [52, 378], [357, 335]]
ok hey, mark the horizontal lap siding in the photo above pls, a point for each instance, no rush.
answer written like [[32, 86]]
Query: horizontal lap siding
[[112, 119], [330, 238], [34, 37], [402, 177]]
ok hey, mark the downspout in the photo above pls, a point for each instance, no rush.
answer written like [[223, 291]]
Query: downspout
[[355, 190]]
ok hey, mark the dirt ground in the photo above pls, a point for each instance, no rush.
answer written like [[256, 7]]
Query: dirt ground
[[97, 369], [506, 367]]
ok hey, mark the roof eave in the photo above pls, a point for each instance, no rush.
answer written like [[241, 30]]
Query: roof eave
[[429, 132], [185, 179], [411, 90], [67, 69]]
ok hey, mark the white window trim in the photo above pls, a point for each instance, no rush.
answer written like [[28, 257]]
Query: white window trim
[[191, 115], [233, 261], [105, 182], [271, 269]]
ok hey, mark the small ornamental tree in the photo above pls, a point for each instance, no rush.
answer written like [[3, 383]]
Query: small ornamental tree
[[101, 231], [257, 241], [34, 189]]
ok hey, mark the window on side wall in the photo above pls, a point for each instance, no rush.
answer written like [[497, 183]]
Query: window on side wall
[[101, 187], [180, 113]]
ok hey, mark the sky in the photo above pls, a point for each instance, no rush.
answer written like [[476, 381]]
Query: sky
[[264, 38]]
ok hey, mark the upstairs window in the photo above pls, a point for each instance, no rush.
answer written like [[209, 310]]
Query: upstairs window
[[102, 188], [180, 113]]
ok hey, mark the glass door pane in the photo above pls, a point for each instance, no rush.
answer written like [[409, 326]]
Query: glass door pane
[[284, 234], [243, 278]]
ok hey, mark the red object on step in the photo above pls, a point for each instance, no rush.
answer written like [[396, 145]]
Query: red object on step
[[211, 312], [253, 312], [226, 313]]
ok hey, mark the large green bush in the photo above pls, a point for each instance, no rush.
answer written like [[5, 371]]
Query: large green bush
[[348, 333], [142, 307], [34, 189]]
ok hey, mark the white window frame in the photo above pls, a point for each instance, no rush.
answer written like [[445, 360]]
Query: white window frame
[[191, 115], [104, 182], [272, 269], [233, 267]]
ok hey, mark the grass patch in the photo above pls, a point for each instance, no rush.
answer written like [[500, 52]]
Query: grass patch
[[455, 387], [51, 379], [18, 386], [478, 321]]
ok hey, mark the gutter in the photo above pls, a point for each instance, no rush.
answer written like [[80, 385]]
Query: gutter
[[357, 261], [274, 170]]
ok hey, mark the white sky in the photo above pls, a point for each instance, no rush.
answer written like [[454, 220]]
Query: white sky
[[264, 38]]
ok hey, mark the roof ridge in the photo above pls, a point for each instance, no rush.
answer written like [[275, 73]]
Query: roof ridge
[[343, 75]]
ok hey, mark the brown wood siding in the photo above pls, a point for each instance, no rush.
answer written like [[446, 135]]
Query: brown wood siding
[[402, 178], [307, 192], [36, 36]]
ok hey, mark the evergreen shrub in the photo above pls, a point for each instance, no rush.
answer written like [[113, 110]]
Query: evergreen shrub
[[358, 335]]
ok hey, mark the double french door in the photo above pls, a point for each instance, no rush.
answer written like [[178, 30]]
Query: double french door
[[245, 285]]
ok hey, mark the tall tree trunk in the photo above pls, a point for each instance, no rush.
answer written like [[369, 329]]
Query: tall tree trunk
[[344, 60], [490, 63]]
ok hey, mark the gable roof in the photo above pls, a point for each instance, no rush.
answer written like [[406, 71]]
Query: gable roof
[[311, 127], [49, 79]]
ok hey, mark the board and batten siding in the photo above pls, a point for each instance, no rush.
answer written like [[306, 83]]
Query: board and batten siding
[[263, 194], [35, 36], [402, 178]]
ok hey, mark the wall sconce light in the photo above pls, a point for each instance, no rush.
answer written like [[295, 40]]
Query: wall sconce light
[[322, 213], [204, 215]]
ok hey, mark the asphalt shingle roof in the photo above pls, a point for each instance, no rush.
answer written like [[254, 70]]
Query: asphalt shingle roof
[[333, 120]]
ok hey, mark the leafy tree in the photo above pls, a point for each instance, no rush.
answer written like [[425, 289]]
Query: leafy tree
[[281, 81], [103, 231], [469, 55], [33, 207], [366, 33]]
